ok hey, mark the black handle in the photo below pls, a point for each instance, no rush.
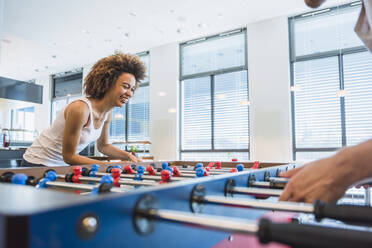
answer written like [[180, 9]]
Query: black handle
[[302, 235], [347, 213]]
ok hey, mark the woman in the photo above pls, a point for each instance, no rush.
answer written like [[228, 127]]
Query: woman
[[110, 83]]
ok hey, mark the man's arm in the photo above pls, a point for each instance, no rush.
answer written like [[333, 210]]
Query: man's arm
[[328, 179]]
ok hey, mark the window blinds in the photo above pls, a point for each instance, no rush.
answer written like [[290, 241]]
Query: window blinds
[[215, 104], [317, 106]]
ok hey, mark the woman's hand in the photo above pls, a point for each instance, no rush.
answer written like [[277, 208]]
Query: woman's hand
[[325, 179], [133, 158]]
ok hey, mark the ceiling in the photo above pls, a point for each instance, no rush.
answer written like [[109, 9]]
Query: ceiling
[[50, 36]]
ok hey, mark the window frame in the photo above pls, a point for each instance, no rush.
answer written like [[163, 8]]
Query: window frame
[[339, 53], [211, 74]]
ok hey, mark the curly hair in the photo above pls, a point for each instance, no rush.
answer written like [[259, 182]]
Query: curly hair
[[106, 71]]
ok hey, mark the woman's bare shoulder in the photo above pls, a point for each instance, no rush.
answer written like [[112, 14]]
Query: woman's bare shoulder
[[77, 108]]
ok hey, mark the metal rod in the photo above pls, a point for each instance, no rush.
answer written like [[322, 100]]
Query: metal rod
[[73, 186], [271, 184], [279, 179], [280, 206], [121, 181], [209, 172], [257, 191], [78, 186], [144, 177], [227, 224], [261, 184], [277, 192], [182, 175]]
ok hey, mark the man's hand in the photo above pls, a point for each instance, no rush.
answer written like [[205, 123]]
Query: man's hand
[[325, 180], [314, 3]]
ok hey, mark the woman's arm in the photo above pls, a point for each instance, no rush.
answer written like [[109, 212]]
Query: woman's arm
[[110, 150], [76, 116]]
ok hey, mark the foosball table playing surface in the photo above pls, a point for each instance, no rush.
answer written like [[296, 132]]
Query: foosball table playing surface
[[169, 204]]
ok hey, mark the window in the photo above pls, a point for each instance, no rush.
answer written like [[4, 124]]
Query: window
[[331, 82], [66, 87], [214, 98], [22, 125], [131, 122]]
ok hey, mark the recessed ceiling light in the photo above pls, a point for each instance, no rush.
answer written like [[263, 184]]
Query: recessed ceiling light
[[132, 14], [54, 56], [54, 43], [37, 70], [171, 10], [119, 27], [162, 93], [108, 40], [46, 67], [85, 31], [179, 30], [220, 15], [172, 110]]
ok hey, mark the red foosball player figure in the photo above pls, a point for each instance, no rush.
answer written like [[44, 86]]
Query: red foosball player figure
[[233, 170], [256, 165], [128, 169], [210, 165], [218, 165], [151, 170], [115, 172], [176, 172], [76, 177], [165, 176], [77, 174]]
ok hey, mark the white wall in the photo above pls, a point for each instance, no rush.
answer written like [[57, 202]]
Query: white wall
[[164, 77], [269, 84], [42, 111], [1, 23]]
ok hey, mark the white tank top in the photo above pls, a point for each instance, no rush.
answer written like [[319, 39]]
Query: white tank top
[[47, 148]]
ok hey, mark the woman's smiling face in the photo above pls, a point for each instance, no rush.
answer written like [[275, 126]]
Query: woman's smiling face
[[122, 90]]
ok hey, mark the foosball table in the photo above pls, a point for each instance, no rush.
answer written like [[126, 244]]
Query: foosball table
[[168, 204]]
